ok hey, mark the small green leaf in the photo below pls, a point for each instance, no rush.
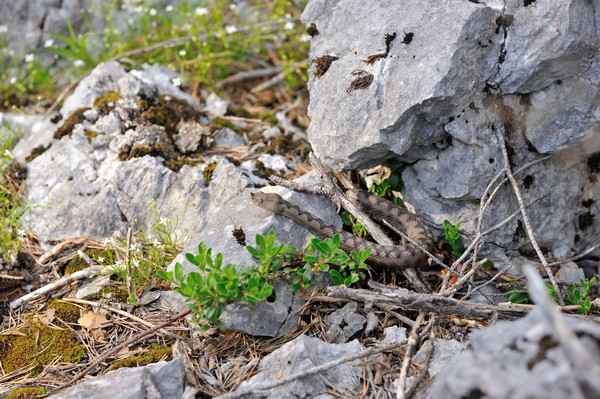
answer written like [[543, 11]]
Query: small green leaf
[[517, 297]]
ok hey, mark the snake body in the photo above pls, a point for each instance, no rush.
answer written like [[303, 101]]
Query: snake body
[[399, 256]]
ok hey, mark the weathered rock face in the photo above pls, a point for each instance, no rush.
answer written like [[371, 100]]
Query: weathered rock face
[[438, 93], [520, 359]]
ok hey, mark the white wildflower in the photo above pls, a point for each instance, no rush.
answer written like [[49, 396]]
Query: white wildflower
[[164, 221], [29, 57], [21, 232], [201, 11], [229, 29], [169, 8], [100, 259], [289, 25], [106, 241], [153, 12], [134, 247], [156, 242], [232, 6], [78, 63], [12, 80], [3, 28], [136, 262], [176, 82], [182, 53], [49, 43], [138, 9], [305, 37]]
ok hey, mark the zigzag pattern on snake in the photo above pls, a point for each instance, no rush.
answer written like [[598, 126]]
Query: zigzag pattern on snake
[[398, 256]]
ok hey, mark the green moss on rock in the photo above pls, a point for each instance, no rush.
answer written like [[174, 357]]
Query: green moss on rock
[[151, 354], [106, 102], [27, 393], [65, 311], [39, 345], [67, 127]]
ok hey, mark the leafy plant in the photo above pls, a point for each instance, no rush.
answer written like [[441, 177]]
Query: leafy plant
[[326, 256], [580, 295], [516, 296], [217, 284], [358, 228], [149, 254], [452, 238], [270, 255]]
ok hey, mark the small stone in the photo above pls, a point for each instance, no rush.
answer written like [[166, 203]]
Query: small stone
[[216, 105]]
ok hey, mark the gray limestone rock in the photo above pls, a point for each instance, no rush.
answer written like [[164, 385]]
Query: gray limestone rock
[[302, 353], [516, 360], [444, 91], [162, 380], [344, 323]]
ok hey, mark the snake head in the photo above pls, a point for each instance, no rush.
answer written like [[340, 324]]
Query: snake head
[[268, 201]]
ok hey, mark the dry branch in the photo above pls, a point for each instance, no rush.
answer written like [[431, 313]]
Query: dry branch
[[403, 298]]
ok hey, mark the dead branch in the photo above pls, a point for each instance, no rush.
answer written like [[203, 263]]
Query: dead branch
[[437, 304], [82, 274], [412, 342], [526, 222]]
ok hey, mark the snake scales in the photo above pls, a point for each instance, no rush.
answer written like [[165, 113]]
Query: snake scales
[[399, 256]]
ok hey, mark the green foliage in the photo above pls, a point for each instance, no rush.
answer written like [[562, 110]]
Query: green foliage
[[580, 295], [270, 255], [326, 256], [452, 239], [577, 295], [217, 284], [77, 48], [357, 227], [516, 296], [12, 208], [149, 254]]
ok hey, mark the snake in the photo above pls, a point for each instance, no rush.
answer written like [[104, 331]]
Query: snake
[[394, 257]]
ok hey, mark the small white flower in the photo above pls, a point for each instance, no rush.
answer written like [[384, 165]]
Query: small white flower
[[29, 57], [49, 43], [182, 53], [305, 37], [12, 80], [232, 6], [201, 11], [153, 12], [78, 63], [169, 8], [186, 27], [3, 28], [287, 15], [8, 154], [163, 220], [156, 242], [136, 262], [229, 29], [134, 247], [138, 9], [176, 82], [21, 232], [289, 25], [100, 259], [106, 241]]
